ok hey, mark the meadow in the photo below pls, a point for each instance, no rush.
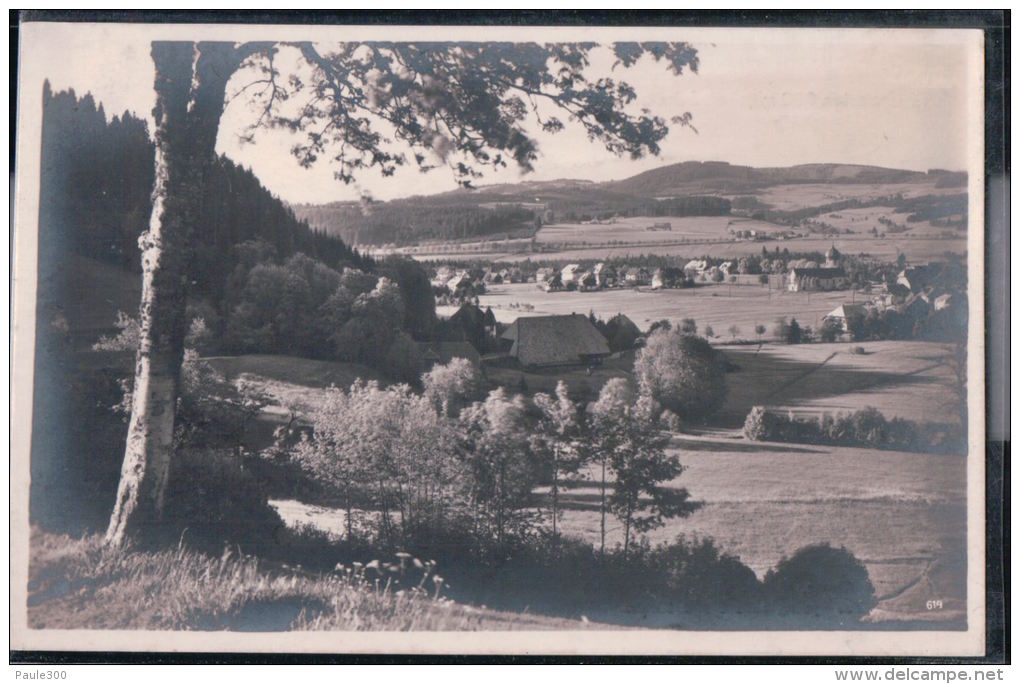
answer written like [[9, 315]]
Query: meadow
[[903, 515], [81, 583], [905, 379], [793, 196], [719, 305]]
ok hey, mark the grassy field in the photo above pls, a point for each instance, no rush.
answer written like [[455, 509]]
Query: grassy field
[[861, 221], [717, 305], [77, 583], [906, 379], [292, 382], [902, 514], [795, 196]]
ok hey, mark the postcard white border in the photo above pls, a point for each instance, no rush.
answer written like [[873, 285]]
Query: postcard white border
[[629, 642]]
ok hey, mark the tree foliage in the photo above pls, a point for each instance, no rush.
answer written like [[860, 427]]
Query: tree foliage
[[822, 581], [683, 373], [503, 468], [388, 450], [625, 439], [555, 440], [462, 105], [97, 184], [452, 386]]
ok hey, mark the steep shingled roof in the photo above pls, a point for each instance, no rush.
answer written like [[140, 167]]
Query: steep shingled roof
[[555, 340]]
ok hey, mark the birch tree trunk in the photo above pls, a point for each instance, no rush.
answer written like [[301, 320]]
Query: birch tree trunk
[[190, 84]]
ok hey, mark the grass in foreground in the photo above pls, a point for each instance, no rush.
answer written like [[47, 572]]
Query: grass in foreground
[[79, 583]]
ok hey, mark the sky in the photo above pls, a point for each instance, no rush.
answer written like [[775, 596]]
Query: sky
[[761, 97]]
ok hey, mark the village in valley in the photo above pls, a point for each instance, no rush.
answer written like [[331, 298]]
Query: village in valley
[[910, 296]]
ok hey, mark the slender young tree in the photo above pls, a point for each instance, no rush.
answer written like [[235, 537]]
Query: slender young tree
[[361, 105], [604, 434], [641, 465], [558, 431]]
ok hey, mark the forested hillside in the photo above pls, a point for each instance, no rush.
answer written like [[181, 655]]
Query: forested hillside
[[406, 222], [97, 177]]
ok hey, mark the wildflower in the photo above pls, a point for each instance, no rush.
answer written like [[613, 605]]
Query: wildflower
[[402, 554], [373, 565], [437, 579], [418, 563]]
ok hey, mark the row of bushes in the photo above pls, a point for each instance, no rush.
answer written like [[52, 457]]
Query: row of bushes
[[688, 581], [867, 427]]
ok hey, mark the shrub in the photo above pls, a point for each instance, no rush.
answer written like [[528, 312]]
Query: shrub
[[822, 581], [697, 575], [831, 329], [759, 425], [211, 502], [671, 421]]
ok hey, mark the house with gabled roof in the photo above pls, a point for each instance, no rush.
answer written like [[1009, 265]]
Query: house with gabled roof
[[844, 312], [547, 341], [800, 279], [569, 273]]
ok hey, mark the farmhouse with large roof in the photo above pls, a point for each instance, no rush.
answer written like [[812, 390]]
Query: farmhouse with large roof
[[545, 341]]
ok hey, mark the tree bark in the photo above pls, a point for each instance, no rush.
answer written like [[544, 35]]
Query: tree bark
[[190, 84]]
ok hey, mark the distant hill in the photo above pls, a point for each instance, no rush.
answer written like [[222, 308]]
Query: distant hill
[[726, 178], [519, 209]]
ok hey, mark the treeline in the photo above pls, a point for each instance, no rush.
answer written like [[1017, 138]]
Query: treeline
[[935, 207], [96, 179], [407, 222], [604, 206], [96, 182], [867, 427]]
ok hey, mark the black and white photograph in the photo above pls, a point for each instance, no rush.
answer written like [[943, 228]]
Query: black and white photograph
[[498, 340]]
